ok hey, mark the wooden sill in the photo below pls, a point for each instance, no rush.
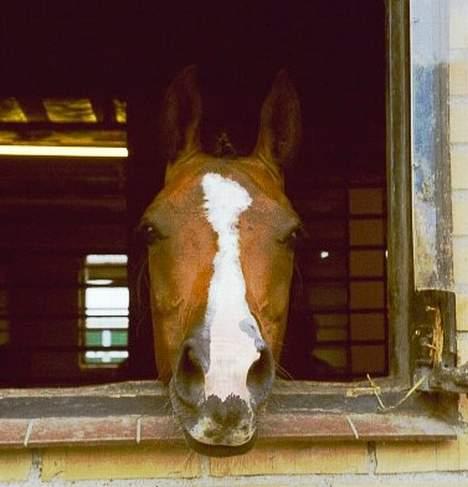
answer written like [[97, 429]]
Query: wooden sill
[[139, 413]]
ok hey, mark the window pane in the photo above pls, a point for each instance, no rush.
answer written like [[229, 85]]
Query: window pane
[[368, 359], [366, 201], [367, 326], [366, 232], [109, 298], [366, 263], [367, 295]]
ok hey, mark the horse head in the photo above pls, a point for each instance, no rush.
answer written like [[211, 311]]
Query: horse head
[[220, 260]]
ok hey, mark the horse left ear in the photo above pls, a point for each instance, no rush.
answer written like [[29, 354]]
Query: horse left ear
[[181, 116], [280, 123]]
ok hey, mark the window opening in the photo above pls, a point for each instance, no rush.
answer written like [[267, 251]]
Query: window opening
[[340, 293], [340, 298], [62, 195], [105, 295]]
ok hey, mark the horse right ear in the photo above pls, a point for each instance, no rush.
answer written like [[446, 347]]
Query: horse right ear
[[280, 123], [181, 116]]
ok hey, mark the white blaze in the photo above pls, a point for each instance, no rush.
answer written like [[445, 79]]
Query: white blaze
[[232, 328]]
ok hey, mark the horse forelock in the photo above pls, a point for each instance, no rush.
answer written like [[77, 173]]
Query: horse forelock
[[224, 146]]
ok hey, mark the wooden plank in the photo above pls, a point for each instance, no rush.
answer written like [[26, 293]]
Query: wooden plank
[[47, 125], [117, 390], [374, 427], [69, 110], [10, 112], [139, 411], [135, 412], [70, 134], [13, 432], [83, 430], [135, 429], [299, 427]]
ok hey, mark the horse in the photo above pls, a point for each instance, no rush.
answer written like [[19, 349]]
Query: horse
[[220, 256]]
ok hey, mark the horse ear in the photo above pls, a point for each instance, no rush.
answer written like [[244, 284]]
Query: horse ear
[[280, 123], [181, 116]]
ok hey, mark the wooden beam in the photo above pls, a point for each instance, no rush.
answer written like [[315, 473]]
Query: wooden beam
[[81, 135], [126, 429]]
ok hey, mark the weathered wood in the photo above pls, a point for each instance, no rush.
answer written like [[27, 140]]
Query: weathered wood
[[115, 390], [135, 429], [72, 134], [452, 379], [133, 412]]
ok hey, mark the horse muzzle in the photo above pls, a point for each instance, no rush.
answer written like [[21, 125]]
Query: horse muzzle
[[229, 423], [217, 427], [224, 418]]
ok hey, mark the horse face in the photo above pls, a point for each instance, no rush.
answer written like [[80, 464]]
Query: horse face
[[220, 261]]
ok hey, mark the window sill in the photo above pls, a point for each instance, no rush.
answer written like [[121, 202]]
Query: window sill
[[137, 413]]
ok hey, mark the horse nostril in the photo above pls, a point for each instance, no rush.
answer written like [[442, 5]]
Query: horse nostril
[[189, 377], [261, 376]]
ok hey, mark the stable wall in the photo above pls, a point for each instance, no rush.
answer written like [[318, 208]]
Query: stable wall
[[351, 464]]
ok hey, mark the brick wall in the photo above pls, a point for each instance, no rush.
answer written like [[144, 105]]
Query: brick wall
[[269, 464]]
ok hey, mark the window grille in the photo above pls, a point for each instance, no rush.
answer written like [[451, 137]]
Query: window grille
[[339, 295]]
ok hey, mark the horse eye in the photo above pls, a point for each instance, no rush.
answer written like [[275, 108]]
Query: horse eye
[[149, 233], [291, 238]]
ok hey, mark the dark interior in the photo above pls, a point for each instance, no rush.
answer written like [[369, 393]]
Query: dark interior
[[55, 211]]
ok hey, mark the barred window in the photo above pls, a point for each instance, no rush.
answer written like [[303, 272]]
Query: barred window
[[105, 297]]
